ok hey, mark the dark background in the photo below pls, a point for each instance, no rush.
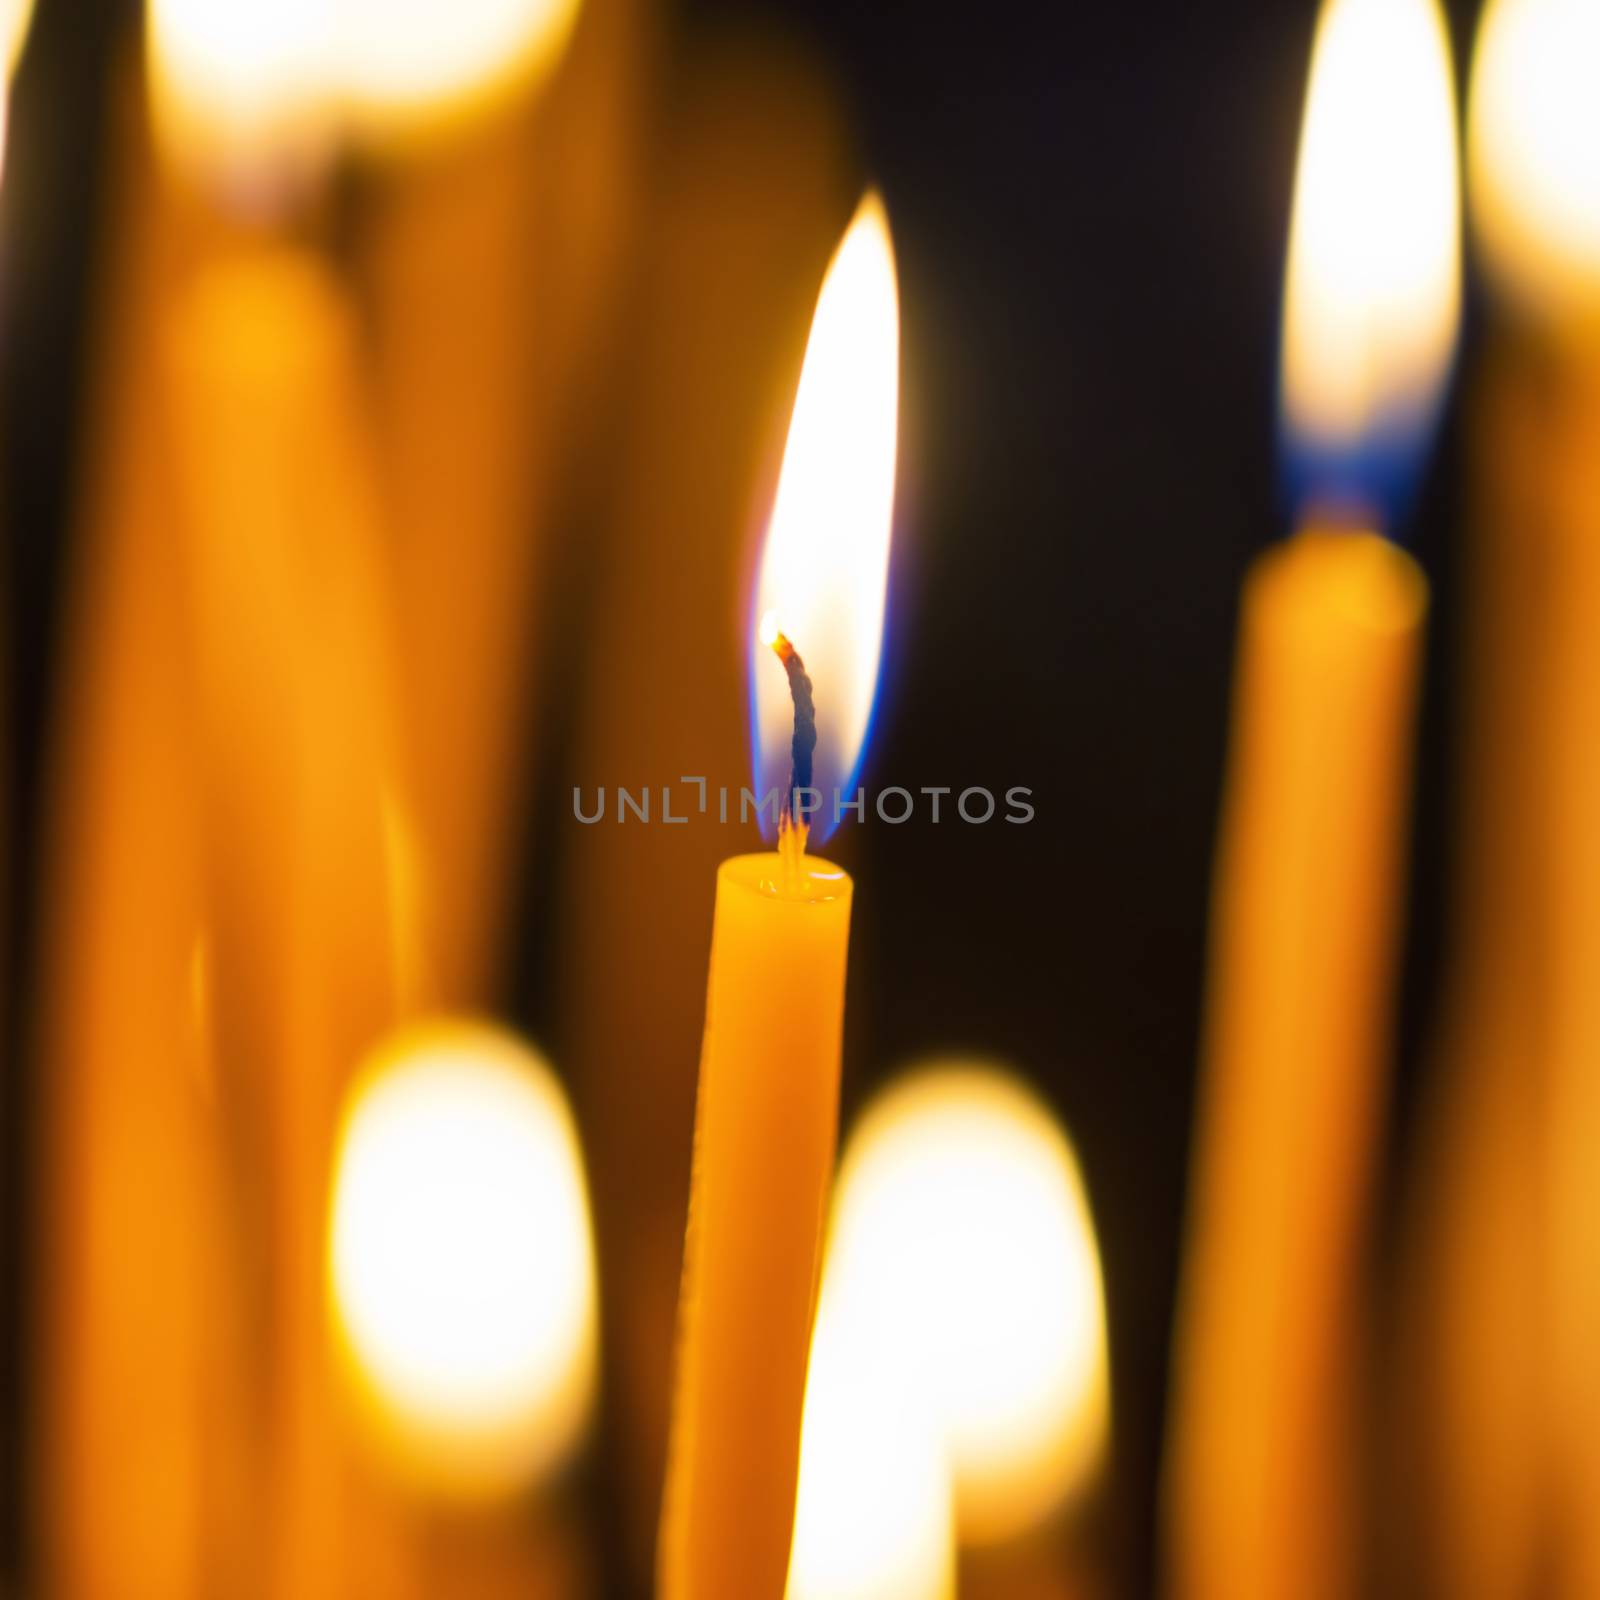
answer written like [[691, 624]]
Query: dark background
[[1090, 205]]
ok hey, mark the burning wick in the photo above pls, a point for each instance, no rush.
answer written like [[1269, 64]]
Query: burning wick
[[791, 824]]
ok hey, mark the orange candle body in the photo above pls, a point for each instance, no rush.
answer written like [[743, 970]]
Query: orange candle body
[[1474, 1367], [1304, 925], [288, 627], [766, 1123], [1571, 819]]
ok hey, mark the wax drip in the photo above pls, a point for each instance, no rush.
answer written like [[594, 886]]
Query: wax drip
[[792, 826]]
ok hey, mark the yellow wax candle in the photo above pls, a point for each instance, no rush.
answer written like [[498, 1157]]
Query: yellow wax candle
[[750, 186], [1470, 1370], [296, 716], [1263, 1476], [769, 1073], [137, 1265], [765, 1126], [1536, 207], [490, 254], [1303, 934]]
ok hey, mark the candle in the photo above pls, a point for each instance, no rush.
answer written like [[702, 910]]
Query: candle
[[1498, 1404], [135, 1320], [1308, 888], [125, 1308], [769, 1074], [298, 768], [515, 217], [1536, 198], [749, 188]]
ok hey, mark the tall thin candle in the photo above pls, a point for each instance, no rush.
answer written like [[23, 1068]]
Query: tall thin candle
[[767, 1113], [1307, 893]]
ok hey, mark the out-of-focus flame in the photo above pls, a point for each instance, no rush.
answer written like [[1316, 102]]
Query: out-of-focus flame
[[1372, 302], [404, 61], [244, 92], [15, 15], [461, 1263], [255, 93], [1534, 151], [962, 1243], [825, 568], [873, 1517]]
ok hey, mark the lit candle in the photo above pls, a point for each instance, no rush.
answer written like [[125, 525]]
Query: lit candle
[[500, 140], [258, 377], [750, 189], [296, 721], [141, 1331], [1308, 881], [769, 1075], [1536, 201]]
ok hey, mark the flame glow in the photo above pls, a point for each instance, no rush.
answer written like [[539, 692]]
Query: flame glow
[[873, 1516], [1373, 297], [415, 59], [1534, 150], [255, 93], [962, 1242], [15, 15], [244, 92], [461, 1266], [825, 568]]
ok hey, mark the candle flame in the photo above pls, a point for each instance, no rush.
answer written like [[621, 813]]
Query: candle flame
[[15, 16], [825, 566], [1534, 151], [961, 1241], [1373, 296], [255, 93], [873, 1514], [244, 92], [460, 1260], [408, 62]]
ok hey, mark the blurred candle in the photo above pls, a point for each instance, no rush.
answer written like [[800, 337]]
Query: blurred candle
[[296, 718], [1536, 205], [123, 1285], [769, 1075], [259, 377], [501, 138], [139, 1252], [1308, 887]]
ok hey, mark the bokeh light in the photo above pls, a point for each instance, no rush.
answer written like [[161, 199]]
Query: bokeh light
[[962, 1239], [1373, 298], [873, 1519], [1534, 150], [414, 60], [461, 1261], [244, 93]]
